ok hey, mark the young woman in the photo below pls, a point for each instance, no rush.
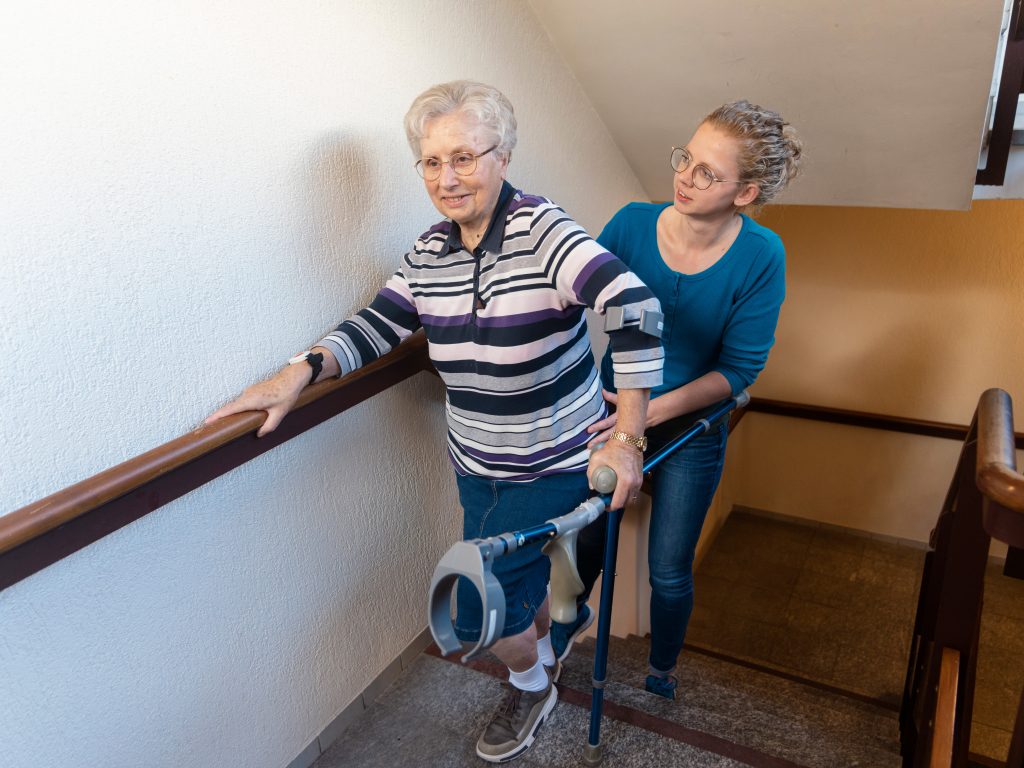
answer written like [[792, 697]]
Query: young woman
[[720, 278]]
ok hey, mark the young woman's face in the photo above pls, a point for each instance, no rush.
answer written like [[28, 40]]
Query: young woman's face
[[714, 162]]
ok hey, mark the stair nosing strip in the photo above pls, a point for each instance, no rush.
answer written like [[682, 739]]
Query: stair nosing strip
[[794, 678]]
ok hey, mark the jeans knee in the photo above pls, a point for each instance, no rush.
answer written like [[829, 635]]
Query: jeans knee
[[672, 586]]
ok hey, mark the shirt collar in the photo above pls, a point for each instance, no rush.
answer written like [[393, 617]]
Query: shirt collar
[[495, 234]]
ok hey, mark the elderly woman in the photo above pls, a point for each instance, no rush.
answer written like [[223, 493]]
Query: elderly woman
[[500, 286]]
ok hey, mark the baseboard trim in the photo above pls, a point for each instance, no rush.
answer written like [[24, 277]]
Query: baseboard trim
[[348, 715], [808, 523]]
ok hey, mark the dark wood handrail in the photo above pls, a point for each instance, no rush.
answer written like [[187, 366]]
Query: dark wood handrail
[[867, 420], [140, 485], [145, 483], [996, 474]]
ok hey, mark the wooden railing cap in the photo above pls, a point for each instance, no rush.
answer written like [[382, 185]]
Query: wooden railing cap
[[996, 474]]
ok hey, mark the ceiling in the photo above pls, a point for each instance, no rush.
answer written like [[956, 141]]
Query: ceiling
[[889, 98]]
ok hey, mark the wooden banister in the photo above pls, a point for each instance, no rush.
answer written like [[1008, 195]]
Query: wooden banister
[[996, 475], [43, 532], [867, 420], [46, 530]]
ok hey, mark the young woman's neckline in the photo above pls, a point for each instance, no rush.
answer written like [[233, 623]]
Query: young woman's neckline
[[719, 252]]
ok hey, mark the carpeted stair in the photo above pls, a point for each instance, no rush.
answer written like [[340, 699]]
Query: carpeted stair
[[726, 715]]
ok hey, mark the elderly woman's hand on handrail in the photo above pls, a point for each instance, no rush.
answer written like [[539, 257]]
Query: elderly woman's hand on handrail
[[278, 394]]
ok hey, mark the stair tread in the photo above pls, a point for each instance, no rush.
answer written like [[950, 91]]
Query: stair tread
[[774, 715], [434, 713]]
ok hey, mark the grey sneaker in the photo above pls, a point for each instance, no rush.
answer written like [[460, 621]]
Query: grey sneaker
[[514, 726]]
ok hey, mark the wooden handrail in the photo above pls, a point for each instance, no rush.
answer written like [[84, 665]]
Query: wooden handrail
[[140, 485], [191, 459], [997, 473], [867, 420]]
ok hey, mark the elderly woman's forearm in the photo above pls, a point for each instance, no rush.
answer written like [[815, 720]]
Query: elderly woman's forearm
[[632, 411]]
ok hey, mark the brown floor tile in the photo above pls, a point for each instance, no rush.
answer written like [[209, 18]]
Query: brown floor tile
[[875, 666], [1003, 595], [896, 554], [840, 608], [763, 539], [745, 637], [992, 704], [804, 653], [837, 589], [811, 617], [1002, 632], [989, 741]]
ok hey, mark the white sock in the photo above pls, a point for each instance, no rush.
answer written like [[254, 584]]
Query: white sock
[[533, 679], [545, 652]]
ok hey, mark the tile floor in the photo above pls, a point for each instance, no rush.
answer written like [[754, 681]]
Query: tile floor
[[838, 607]]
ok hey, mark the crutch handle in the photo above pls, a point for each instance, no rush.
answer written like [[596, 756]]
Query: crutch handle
[[604, 480]]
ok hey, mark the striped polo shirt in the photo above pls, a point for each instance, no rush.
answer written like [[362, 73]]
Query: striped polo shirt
[[507, 332]]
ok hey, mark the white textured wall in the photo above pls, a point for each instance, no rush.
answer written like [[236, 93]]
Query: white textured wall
[[191, 192]]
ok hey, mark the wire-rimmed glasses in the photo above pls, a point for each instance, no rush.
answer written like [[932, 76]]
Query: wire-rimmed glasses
[[701, 176], [463, 163]]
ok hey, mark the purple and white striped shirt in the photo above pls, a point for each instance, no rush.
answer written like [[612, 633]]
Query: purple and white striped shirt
[[507, 332]]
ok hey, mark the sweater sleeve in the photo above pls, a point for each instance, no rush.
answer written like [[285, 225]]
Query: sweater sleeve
[[585, 273], [377, 329], [750, 331]]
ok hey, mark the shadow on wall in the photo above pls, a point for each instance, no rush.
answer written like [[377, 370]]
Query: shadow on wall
[[355, 243]]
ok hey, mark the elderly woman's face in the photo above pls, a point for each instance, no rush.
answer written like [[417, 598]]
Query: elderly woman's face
[[468, 200]]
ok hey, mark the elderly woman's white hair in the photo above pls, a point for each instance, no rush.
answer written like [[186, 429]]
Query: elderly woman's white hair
[[484, 102]]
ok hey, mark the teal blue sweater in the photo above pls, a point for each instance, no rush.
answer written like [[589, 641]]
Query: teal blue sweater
[[722, 319]]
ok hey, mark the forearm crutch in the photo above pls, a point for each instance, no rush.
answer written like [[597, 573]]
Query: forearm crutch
[[604, 480], [473, 559]]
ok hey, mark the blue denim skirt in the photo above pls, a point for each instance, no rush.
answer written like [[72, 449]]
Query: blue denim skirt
[[491, 507]]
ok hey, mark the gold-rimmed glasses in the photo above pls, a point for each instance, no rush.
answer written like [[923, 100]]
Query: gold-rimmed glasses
[[701, 176], [463, 163]]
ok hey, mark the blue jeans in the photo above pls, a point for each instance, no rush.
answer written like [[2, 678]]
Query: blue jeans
[[491, 507], [684, 485]]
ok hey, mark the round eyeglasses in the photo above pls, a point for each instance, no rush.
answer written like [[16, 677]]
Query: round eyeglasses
[[463, 163], [701, 176]]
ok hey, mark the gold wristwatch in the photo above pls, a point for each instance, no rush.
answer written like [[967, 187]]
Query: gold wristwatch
[[628, 439]]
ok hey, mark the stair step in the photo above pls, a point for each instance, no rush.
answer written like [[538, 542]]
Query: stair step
[[759, 710], [433, 714]]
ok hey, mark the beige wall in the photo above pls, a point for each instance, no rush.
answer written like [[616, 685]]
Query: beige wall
[[904, 312]]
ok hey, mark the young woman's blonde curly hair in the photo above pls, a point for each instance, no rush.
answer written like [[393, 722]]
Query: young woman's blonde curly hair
[[770, 151]]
